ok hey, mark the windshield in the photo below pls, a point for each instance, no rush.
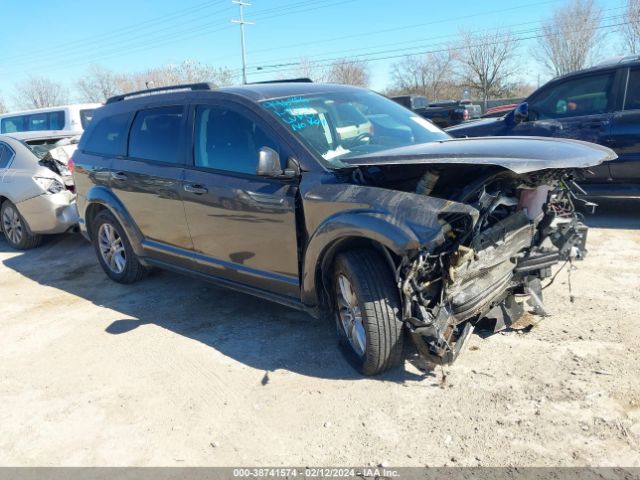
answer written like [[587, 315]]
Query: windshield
[[348, 124]]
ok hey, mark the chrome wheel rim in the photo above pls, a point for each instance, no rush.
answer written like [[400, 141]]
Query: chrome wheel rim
[[11, 225], [111, 248], [350, 316]]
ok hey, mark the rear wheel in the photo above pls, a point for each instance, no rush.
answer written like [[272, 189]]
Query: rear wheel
[[367, 310], [15, 228], [115, 254]]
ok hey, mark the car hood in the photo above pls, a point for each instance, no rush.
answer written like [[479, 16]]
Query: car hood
[[518, 154], [474, 122]]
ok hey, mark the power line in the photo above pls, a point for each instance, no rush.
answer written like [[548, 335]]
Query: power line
[[83, 43], [164, 38], [128, 43], [295, 61], [327, 62], [403, 27]]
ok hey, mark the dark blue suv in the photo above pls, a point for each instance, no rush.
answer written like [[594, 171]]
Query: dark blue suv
[[599, 105]]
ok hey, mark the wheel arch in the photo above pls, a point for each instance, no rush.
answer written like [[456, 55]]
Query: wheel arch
[[389, 240], [100, 199]]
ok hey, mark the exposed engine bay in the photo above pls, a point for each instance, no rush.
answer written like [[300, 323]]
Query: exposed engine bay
[[491, 266]]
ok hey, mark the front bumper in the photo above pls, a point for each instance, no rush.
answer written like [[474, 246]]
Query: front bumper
[[50, 213]]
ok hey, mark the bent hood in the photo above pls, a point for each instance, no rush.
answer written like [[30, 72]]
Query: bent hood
[[518, 154]]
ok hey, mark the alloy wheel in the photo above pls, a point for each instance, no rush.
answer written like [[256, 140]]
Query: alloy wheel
[[11, 225], [350, 315], [112, 248]]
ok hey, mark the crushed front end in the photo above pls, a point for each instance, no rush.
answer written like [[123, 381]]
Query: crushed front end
[[492, 265]]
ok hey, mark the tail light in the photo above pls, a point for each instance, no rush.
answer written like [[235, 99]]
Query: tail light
[[71, 165], [465, 115]]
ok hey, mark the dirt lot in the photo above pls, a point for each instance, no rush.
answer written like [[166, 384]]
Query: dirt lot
[[173, 371]]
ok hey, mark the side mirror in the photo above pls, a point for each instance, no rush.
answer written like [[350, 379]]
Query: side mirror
[[521, 113], [268, 163]]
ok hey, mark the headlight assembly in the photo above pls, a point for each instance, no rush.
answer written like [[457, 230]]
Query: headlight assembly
[[49, 185]]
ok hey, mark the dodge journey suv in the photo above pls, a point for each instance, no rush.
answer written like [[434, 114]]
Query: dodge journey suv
[[398, 228]]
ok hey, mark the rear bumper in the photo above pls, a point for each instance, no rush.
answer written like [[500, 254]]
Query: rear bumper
[[54, 213]]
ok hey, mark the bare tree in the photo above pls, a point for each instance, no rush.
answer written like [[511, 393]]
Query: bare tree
[[307, 68], [431, 75], [186, 72], [350, 72], [98, 84], [571, 37], [487, 63], [3, 106], [630, 30], [39, 92]]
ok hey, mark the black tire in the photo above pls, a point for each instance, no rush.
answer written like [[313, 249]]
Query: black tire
[[133, 270], [377, 298], [16, 229]]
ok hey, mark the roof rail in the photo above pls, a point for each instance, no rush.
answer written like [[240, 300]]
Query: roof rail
[[172, 88], [286, 80], [618, 60]]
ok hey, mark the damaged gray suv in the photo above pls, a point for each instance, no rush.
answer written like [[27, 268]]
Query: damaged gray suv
[[398, 229]]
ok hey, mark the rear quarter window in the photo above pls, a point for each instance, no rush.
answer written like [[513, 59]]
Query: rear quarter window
[[85, 117], [109, 137]]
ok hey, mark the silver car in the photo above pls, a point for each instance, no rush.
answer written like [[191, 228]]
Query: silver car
[[37, 195]]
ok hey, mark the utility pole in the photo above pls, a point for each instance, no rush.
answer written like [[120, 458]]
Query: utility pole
[[242, 23]]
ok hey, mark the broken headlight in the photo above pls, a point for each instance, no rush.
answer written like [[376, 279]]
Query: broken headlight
[[49, 185]]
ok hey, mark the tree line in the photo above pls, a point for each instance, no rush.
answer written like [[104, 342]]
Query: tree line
[[484, 63]]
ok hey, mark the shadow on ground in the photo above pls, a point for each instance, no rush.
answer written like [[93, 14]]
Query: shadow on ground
[[250, 330]]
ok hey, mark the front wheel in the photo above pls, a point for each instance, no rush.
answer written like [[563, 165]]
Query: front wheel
[[15, 228], [367, 310]]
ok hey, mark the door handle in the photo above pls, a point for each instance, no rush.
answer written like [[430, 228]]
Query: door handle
[[118, 176], [197, 189]]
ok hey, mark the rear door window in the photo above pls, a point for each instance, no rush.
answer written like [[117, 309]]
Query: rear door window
[[6, 155], [109, 137], [155, 134], [3, 156]]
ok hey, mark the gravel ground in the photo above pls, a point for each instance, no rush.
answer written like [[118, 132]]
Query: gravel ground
[[173, 371]]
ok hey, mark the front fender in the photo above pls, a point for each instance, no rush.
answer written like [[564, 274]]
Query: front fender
[[370, 226], [102, 196], [399, 221]]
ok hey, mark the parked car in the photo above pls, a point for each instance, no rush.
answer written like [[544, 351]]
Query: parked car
[[69, 118], [445, 114], [252, 187], [36, 187], [499, 111], [412, 102], [599, 105]]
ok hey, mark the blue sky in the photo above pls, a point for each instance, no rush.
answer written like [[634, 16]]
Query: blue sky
[[61, 39]]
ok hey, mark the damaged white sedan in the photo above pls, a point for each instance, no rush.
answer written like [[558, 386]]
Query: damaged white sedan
[[37, 194]]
